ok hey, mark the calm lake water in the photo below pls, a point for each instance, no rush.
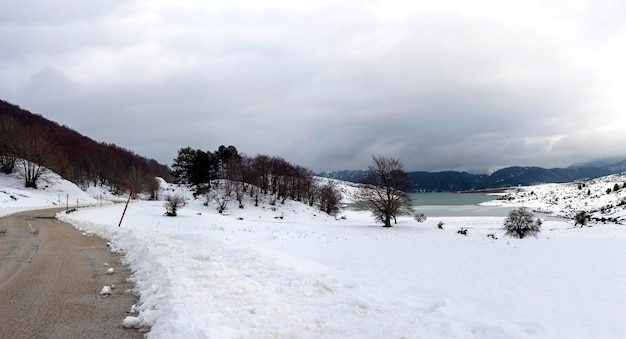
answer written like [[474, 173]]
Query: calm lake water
[[459, 205], [456, 205], [449, 199]]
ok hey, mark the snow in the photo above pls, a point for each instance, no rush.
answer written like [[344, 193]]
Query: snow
[[290, 271], [596, 197], [106, 290], [53, 192], [131, 322]]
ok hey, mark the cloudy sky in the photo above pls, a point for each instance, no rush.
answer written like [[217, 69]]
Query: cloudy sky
[[441, 85]]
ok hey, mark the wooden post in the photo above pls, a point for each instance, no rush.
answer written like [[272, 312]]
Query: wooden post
[[125, 207]]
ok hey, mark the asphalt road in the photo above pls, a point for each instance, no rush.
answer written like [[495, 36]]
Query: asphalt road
[[50, 281]]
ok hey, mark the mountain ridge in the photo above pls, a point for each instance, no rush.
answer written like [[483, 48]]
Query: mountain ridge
[[455, 181]]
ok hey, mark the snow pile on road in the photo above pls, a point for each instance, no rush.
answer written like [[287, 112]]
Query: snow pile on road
[[54, 191], [290, 271], [603, 198]]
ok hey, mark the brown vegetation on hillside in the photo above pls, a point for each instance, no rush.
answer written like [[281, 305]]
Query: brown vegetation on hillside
[[46, 144]]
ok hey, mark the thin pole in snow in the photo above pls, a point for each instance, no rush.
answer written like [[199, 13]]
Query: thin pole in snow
[[125, 207]]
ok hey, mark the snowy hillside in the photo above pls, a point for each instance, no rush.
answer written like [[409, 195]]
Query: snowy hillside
[[290, 271], [54, 192], [603, 198]]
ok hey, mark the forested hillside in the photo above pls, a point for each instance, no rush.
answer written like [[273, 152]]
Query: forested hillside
[[453, 181], [46, 144], [257, 176]]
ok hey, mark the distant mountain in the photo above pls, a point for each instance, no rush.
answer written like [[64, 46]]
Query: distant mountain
[[345, 175], [526, 176], [618, 167], [452, 181], [448, 181], [600, 162]]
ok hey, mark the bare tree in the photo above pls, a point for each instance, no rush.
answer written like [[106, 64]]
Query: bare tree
[[7, 138], [521, 223], [237, 175], [153, 188], [138, 179], [221, 197], [173, 203], [329, 198], [261, 168], [383, 190], [37, 154]]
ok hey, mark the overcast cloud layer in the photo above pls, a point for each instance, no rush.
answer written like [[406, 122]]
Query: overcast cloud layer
[[442, 85]]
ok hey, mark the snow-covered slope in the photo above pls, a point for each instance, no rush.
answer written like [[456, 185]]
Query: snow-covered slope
[[53, 192], [598, 197], [290, 271]]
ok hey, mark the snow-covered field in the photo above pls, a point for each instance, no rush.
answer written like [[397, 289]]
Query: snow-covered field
[[294, 272]]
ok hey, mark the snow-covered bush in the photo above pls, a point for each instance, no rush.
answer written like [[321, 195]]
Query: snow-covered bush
[[419, 217], [173, 203], [521, 223], [581, 218], [221, 198]]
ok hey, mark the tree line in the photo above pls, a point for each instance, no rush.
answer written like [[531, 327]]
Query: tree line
[[257, 176], [31, 145], [382, 191]]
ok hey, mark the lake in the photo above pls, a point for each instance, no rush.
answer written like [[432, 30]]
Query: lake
[[448, 204], [449, 199], [456, 205]]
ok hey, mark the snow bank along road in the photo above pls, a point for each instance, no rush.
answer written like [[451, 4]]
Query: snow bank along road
[[50, 280]]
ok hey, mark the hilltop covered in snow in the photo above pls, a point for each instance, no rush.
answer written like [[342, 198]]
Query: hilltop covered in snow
[[604, 199]]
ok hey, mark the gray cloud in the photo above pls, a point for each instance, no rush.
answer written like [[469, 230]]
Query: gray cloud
[[327, 84]]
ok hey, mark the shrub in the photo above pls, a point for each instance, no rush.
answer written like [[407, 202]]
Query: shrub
[[329, 199], [581, 219], [419, 217], [172, 204], [521, 223]]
